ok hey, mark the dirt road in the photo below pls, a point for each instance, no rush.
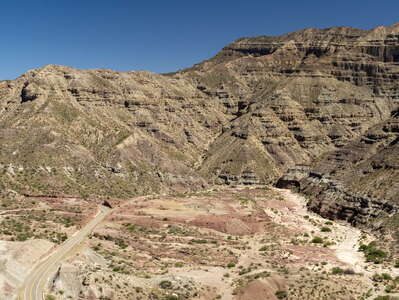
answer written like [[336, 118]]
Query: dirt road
[[37, 280]]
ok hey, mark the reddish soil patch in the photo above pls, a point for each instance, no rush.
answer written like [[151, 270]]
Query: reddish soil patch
[[310, 254], [230, 224]]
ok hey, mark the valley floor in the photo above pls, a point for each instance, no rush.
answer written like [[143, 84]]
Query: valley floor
[[225, 243]]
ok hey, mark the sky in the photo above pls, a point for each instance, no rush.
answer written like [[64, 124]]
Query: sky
[[159, 36]]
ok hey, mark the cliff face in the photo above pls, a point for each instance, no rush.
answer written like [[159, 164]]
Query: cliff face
[[360, 180], [295, 97], [311, 100]]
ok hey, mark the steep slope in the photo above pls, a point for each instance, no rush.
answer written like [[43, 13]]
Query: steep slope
[[358, 183], [65, 131], [260, 107], [298, 95]]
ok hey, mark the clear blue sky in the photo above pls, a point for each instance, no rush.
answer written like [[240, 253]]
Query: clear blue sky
[[160, 36]]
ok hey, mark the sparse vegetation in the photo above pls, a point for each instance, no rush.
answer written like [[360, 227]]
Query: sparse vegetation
[[317, 240], [372, 253], [325, 229]]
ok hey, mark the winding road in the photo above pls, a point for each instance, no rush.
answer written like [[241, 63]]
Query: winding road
[[35, 283]]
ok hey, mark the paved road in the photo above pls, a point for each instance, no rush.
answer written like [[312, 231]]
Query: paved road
[[36, 281]]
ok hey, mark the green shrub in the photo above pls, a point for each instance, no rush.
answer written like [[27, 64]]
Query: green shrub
[[337, 271], [281, 294], [325, 229], [372, 253], [131, 227], [23, 237], [199, 241], [231, 265], [390, 288], [381, 277], [317, 240]]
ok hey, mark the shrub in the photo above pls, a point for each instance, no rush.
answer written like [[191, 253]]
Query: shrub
[[117, 269], [390, 288], [337, 271], [381, 277], [317, 240], [231, 265], [199, 241], [165, 284], [372, 253], [281, 294], [325, 229], [121, 244], [386, 276], [22, 237], [131, 227]]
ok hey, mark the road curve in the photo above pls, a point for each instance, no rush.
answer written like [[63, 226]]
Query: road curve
[[36, 281]]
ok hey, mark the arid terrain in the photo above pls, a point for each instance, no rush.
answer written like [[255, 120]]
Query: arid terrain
[[223, 243], [269, 171]]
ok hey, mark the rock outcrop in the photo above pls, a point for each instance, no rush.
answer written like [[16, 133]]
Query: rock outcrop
[[359, 182]]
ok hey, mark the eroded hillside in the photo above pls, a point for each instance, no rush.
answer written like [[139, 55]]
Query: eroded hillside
[[260, 106]]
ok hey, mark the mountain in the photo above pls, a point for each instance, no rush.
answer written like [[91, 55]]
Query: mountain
[[316, 108]]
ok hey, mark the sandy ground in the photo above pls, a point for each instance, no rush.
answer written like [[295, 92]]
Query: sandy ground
[[16, 259], [347, 238]]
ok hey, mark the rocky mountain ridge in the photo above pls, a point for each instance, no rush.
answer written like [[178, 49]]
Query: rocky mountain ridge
[[322, 101]]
